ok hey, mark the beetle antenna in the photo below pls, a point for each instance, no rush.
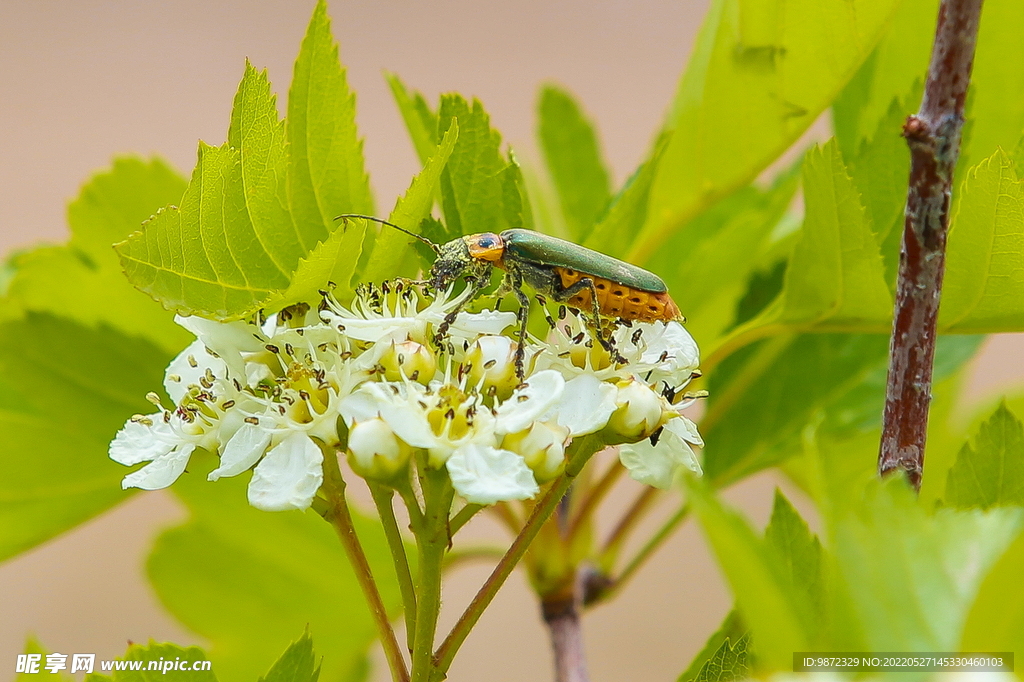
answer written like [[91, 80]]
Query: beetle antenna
[[423, 239]]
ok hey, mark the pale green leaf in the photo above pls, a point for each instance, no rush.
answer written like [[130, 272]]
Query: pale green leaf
[[514, 196], [83, 280], [204, 257], [420, 120], [730, 662], [996, 619], [248, 580], [732, 629], [297, 664], [992, 472], [835, 276], [573, 156], [472, 192], [766, 601], [984, 285], [759, 75], [390, 247], [909, 577], [65, 390]]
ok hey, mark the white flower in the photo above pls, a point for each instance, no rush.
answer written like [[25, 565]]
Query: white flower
[[374, 450], [288, 476], [639, 410], [658, 465], [165, 440], [658, 351], [483, 474]]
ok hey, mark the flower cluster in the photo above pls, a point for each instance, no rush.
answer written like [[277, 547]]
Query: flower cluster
[[371, 380]]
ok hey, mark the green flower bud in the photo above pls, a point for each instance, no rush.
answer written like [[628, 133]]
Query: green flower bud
[[491, 359], [374, 452], [416, 361], [542, 446], [640, 411]]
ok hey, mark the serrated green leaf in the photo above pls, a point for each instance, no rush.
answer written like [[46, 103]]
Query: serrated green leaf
[[992, 472], [205, 257], [65, 390], [996, 619], [573, 157], [514, 196], [767, 603], [984, 284], [728, 663], [472, 192], [32, 646], [154, 653], [420, 120], [297, 663], [247, 580], [732, 629], [760, 74], [909, 577], [83, 280], [835, 276], [390, 247]]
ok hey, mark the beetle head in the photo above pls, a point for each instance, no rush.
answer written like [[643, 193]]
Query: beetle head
[[454, 260]]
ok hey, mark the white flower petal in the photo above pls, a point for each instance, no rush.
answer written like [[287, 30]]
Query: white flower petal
[[586, 404], [180, 374], [483, 474], [136, 442], [162, 471], [359, 406], [658, 465], [685, 429], [288, 476], [243, 450], [484, 322], [527, 404]]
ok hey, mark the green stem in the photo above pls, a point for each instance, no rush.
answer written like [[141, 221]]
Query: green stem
[[463, 517], [581, 452], [382, 498], [339, 516], [432, 541]]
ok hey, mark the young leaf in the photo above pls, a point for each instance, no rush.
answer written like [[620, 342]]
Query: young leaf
[[835, 275], [907, 576], [515, 199], [755, 82], [472, 194], [573, 158], [765, 599], [992, 472], [205, 257], [165, 654], [278, 573], [389, 250], [420, 119], [83, 280], [326, 173], [297, 663], [996, 619], [984, 285], [732, 629], [65, 390], [728, 663]]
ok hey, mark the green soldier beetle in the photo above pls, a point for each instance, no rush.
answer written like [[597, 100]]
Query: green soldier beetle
[[571, 274]]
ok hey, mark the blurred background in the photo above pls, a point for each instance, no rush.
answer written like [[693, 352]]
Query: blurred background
[[83, 82]]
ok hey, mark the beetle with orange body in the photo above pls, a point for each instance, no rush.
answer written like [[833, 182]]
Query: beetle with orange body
[[569, 273]]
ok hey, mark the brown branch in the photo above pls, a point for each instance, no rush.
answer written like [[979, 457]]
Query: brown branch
[[562, 615], [934, 139]]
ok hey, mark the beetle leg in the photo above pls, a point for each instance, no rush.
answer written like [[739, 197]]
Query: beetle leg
[[474, 285], [575, 288], [524, 315]]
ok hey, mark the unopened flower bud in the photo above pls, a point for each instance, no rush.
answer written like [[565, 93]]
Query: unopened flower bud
[[640, 411], [374, 452], [414, 360], [542, 446], [491, 359]]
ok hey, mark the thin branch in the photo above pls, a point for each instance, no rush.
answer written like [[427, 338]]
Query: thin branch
[[562, 617], [446, 652], [382, 498], [933, 136], [462, 518], [594, 496], [338, 515]]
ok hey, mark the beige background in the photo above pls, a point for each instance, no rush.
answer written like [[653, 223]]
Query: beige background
[[83, 81]]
